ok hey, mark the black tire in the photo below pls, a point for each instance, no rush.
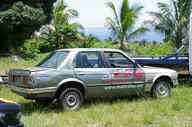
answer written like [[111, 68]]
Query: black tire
[[71, 99], [161, 89]]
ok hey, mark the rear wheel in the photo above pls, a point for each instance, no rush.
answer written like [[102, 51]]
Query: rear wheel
[[161, 89], [71, 99]]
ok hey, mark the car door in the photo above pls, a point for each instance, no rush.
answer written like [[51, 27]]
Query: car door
[[125, 74], [90, 68]]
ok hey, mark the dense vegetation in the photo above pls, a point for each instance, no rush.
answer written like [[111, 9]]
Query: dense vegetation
[[20, 18]]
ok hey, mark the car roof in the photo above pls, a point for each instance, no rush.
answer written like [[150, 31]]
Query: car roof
[[89, 49]]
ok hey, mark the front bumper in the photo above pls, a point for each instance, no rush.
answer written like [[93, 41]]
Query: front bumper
[[175, 82], [34, 93]]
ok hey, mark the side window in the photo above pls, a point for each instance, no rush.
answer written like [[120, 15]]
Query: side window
[[118, 60], [89, 60]]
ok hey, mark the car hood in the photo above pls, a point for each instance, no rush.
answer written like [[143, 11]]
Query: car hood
[[149, 69]]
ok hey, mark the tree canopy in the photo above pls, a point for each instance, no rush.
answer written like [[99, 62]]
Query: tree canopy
[[20, 18], [173, 20]]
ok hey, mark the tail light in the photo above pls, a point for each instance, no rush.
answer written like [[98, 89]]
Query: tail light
[[27, 81]]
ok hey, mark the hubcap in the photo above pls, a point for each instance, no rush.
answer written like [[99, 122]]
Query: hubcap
[[162, 90], [71, 100]]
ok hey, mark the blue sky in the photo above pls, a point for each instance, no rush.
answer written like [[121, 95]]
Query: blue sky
[[92, 13]]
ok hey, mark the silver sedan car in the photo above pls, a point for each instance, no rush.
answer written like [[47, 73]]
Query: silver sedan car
[[73, 75]]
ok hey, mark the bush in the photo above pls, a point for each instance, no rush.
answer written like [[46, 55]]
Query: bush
[[150, 49], [30, 49], [105, 44]]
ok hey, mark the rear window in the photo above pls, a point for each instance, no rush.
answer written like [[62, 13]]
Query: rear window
[[54, 60]]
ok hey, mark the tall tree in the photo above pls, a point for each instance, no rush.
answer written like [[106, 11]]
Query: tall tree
[[173, 20], [122, 24]]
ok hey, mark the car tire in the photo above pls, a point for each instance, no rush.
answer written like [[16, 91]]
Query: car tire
[[71, 99], [161, 89]]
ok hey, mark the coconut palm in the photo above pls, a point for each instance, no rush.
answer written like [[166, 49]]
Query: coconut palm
[[61, 32], [122, 24], [62, 14], [173, 20]]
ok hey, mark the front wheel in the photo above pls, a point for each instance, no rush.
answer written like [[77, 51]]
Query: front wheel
[[161, 89], [71, 99]]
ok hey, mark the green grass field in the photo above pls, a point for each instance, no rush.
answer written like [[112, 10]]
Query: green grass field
[[175, 111]]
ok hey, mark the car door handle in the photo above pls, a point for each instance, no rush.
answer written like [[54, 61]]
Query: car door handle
[[81, 73]]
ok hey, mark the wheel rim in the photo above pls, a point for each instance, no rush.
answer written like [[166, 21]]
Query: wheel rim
[[71, 100], [162, 90]]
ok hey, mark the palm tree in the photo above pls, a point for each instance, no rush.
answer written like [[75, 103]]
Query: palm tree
[[65, 31], [62, 14], [122, 24], [173, 20]]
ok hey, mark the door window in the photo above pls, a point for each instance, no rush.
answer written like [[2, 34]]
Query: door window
[[89, 60], [118, 60]]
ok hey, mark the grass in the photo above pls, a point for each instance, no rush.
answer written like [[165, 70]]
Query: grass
[[174, 111], [7, 63]]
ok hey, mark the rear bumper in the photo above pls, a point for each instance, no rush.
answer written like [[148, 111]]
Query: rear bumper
[[34, 93]]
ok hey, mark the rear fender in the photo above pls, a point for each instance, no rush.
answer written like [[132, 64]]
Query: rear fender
[[71, 80], [66, 81]]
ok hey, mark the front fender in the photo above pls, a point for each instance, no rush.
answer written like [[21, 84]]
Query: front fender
[[161, 75]]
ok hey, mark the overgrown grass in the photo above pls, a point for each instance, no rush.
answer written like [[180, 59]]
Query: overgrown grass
[[7, 63], [174, 111]]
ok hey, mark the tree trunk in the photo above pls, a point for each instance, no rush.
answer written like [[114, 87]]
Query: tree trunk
[[178, 39], [122, 44]]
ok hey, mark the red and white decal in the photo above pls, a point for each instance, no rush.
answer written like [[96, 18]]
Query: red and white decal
[[139, 74], [122, 73]]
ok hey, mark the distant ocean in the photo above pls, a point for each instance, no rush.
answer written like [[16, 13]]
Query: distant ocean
[[103, 33]]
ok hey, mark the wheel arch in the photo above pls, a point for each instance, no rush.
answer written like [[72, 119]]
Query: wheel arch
[[75, 83], [162, 77]]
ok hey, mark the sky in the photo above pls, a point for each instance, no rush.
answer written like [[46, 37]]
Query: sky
[[92, 13]]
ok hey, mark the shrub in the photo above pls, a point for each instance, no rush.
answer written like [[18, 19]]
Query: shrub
[[30, 49]]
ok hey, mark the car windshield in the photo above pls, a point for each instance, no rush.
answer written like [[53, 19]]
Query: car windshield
[[54, 60]]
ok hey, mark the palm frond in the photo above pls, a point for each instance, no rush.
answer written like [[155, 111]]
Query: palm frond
[[124, 10], [113, 26], [137, 32], [136, 8], [113, 8]]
